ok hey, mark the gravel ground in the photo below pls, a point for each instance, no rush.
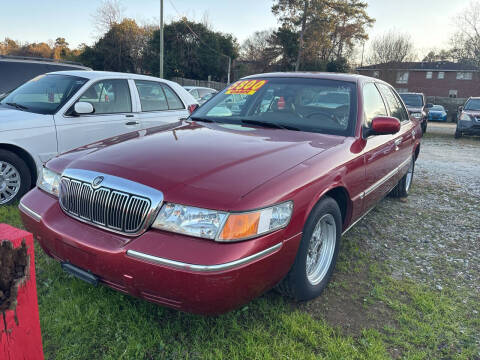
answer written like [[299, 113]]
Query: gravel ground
[[433, 236]]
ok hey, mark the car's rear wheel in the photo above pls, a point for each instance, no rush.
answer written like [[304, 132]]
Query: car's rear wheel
[[403, 187], [317, 254], [15, 177]]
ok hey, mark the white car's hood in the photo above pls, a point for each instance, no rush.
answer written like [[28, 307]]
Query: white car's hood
[[13, 119]]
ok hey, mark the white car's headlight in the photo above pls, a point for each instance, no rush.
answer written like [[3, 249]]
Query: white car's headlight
[[465, 117], [417, 115], [49, 181], [222, 226]]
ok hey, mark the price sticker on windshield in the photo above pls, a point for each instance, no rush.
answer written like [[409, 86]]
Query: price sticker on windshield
[[246, 87]]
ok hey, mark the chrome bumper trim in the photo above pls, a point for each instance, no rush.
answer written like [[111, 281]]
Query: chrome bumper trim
[[202, 268], [29, 212]]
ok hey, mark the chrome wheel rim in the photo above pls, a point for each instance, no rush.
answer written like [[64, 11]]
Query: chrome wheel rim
[[10, 182], [409, 177], [321, 249]]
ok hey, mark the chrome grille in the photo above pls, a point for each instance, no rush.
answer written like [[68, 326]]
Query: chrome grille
[[104, 207]]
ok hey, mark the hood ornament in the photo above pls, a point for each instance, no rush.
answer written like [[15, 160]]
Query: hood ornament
[[97, 182]]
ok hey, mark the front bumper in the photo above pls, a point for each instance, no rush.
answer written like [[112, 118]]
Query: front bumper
[[468, 127], [181, 272]]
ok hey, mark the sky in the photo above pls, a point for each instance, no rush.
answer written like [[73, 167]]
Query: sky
[[429, 22]]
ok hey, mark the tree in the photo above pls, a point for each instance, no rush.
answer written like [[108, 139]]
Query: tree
[[327, 29], [258, 50], [442, 55], [109, 13], [466, 41], [192, 50], [120, 49], [392, 46]]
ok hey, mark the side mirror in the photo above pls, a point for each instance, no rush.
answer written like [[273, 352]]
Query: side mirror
[[82, 108], [460, 108], [429, 105], [384, 125]]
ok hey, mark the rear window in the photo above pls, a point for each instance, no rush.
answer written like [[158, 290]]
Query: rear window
[[312, 105]]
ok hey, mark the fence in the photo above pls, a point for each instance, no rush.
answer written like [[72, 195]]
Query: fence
[[450, 104], [204, 83]]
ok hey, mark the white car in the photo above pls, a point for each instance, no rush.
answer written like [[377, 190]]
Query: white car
[[60, 111]]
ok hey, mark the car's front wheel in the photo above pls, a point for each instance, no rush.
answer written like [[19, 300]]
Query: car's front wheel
[[458, 134], [15, 178], [424, 126], [317, 254]]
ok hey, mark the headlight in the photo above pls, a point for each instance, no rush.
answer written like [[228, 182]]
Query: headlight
[[417, 115], [190, 220], [222, 226], [49, 181], [465, 117]]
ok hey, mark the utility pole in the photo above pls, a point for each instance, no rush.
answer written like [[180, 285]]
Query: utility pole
[[229, 67], [161, 39]]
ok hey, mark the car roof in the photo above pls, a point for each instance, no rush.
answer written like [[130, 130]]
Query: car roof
[[411, 93], [189, 87], [317, 75], [92, 75]]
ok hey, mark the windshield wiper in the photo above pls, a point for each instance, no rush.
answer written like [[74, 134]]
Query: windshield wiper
[[269, 124], [18, 106]]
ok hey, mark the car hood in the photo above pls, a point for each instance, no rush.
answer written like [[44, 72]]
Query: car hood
[[13, 119], [205, 165]]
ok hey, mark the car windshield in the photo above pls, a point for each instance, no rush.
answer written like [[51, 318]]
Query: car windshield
[[44, 94], [312, 105], [412, 99], [437, 108], [473, 104]]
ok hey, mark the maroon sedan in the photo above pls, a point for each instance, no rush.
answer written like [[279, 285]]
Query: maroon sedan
[[253, 191]]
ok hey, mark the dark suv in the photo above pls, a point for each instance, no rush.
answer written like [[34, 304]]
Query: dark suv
[[415, 103], [469, 119]]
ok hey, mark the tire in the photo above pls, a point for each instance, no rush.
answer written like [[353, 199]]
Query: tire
[[15, 177], [424, 127], [458, 134], [299, 283], [403, 187]]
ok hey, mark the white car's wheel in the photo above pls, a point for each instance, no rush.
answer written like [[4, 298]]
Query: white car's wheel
[[15, 177]]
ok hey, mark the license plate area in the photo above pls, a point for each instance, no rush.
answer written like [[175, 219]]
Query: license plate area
[[80, 273]]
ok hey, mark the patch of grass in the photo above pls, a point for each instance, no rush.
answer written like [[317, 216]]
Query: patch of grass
[[415, 322]]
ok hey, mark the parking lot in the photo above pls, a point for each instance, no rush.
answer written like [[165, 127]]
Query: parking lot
[[403, 270]]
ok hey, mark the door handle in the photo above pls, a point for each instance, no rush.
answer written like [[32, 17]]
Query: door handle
[[132, 123], [398, 141], [414, 133], [129, 115]]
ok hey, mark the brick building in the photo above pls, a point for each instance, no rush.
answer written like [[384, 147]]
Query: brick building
[[441, 78]]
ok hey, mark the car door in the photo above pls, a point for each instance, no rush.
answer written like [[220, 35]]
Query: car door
[[160, 105], [378, 152], [405, 138], [112, 116]]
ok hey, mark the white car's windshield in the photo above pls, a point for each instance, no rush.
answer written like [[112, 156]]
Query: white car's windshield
[[44, 94], [312, 105], [414, 100]]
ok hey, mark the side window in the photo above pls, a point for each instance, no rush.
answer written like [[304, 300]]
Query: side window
[[109, 97], [373, 105], [174, 102], [152, 96], [396, 108]]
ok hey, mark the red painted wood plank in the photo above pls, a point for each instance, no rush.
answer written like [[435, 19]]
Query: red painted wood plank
[[20, 336]]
